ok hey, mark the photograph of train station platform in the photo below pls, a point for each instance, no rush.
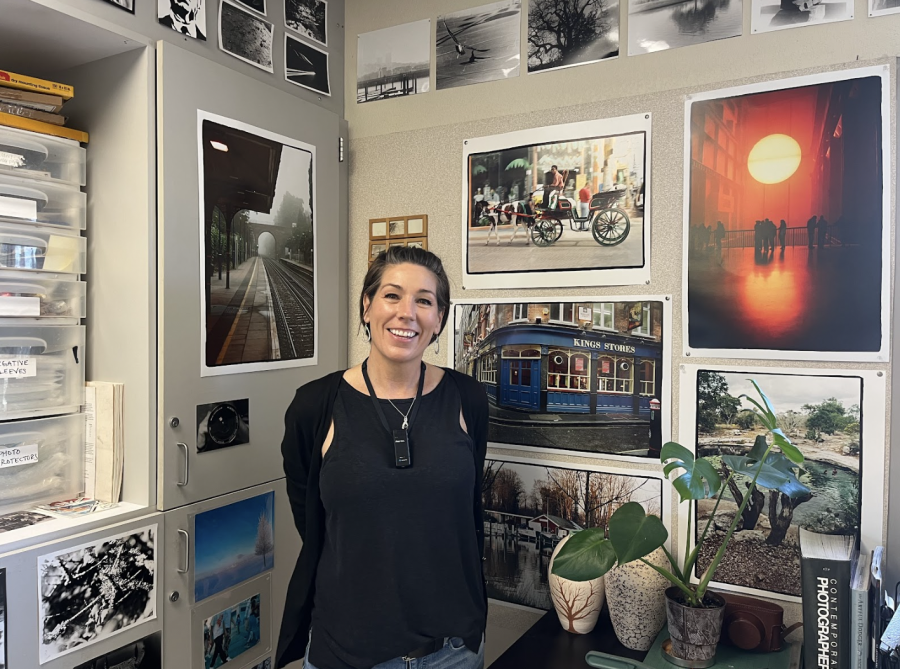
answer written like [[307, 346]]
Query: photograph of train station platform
[[579, 376], [258, 249], [785, 220]]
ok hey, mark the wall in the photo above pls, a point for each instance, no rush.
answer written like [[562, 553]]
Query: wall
[[144, 23], [406, 154]]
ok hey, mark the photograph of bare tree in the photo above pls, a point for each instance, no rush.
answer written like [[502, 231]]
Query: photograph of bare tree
[[564, 33], [786, 195], [531, 505], [823, 416], [91, 592]]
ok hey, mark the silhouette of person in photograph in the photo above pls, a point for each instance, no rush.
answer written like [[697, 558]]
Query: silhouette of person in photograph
[[720, 235], [757, 237], [811, 230], [771, 233], [822, 227], [782, 233]]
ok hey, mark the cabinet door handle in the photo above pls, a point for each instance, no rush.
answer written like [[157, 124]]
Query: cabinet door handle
[[187, 465], [186, 552]]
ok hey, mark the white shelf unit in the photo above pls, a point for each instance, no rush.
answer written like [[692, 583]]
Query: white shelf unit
[[113, 72]]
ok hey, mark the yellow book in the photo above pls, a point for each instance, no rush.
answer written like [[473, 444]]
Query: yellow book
[[20, 81], [13, 121]]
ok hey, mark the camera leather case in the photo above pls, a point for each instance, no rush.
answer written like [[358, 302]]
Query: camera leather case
[[753, 624]]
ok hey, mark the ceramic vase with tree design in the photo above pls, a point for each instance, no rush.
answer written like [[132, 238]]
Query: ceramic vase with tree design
[[577, 603]]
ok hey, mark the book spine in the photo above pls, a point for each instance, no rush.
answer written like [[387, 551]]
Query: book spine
[[23, 123], [28, 112], [859, 629], [20, 81], [825, 586]]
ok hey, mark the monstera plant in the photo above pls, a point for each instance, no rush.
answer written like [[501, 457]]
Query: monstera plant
[[632, 534]]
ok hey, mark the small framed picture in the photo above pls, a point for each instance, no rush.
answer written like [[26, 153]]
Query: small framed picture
[[375, 248], [418, 242], [396, 243], [397, 227], [417, 226], [378, 228]]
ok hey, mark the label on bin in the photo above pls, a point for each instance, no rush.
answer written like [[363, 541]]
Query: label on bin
[[13, 456], [17, 207], [17, 368], [13, 305]]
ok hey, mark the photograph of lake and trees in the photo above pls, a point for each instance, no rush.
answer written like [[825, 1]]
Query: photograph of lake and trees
[[786, 198], [529, 507], [822, 416]]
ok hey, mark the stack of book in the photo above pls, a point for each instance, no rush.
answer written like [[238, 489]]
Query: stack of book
[[836, 581], [35, 104]]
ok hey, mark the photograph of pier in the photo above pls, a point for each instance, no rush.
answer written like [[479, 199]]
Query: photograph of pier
[[393, 62], [258, 249]]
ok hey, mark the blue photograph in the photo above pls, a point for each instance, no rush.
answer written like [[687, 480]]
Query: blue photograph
[[232, 544], [230, 633]]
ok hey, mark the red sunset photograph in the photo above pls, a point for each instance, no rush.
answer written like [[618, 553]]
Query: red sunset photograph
[[784, 247]]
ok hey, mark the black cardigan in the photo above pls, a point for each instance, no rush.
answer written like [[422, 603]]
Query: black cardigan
[[306, 425]]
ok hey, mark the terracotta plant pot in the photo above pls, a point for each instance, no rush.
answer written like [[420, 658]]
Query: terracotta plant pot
[[577, 603], [636, 597], [694, 631]]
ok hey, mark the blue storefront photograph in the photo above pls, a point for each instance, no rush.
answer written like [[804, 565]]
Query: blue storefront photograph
[[584, 375]]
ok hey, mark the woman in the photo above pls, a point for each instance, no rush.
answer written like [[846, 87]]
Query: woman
[[384, 464]]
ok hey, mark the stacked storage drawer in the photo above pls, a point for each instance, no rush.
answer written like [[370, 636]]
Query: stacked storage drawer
[[42, 303]]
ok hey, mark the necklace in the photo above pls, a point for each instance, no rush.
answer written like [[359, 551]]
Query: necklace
[[405, 415]]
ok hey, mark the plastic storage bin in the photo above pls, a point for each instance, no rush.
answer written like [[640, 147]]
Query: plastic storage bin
[[33, 295], [41, 370], [36, 247], [31, 154], [41, 202], [41, 461]]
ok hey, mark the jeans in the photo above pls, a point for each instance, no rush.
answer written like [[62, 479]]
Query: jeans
[[454, 655]]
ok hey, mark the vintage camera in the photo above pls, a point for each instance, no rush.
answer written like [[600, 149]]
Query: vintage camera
[[753, 624]]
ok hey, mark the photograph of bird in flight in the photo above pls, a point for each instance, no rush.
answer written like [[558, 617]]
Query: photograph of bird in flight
[[478, 44]]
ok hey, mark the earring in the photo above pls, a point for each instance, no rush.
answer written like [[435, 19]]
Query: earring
[[437, 345], [368, 332]]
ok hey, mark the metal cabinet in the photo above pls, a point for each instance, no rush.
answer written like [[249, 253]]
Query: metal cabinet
[[199, 583], [187, 83]]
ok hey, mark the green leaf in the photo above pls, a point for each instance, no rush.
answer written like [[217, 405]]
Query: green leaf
[[770, 409], [699, 480], [634, 534], [762, 415], [776, 473], [518, 164], [585, 556], [791, 452]]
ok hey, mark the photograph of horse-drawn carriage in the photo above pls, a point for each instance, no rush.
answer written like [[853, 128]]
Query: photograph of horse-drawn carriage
[[568, 202]]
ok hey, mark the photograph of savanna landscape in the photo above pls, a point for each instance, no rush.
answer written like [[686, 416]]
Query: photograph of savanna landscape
[[822, 416]]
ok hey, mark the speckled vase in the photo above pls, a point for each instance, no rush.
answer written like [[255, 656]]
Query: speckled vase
[[577, 603], [637, 601]]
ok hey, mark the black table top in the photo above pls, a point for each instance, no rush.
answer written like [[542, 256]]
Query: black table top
[[546, 645]]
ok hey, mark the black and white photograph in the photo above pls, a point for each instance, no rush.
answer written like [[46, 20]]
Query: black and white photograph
[[558, 206], [583, 375], [127, 5], [309, 18], [658, 25], [786, 195], [566, 33], [246, 36], [769, 15], [230, 633], [306, 66], [883, 7], [145, 653], [478, 44], [265, 664], [187, 17], [18, 519], [393, 62], [96, 590], [3, 662], [222, 425], [835, 418], [257, 226], [532, 505], [256, 5]]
